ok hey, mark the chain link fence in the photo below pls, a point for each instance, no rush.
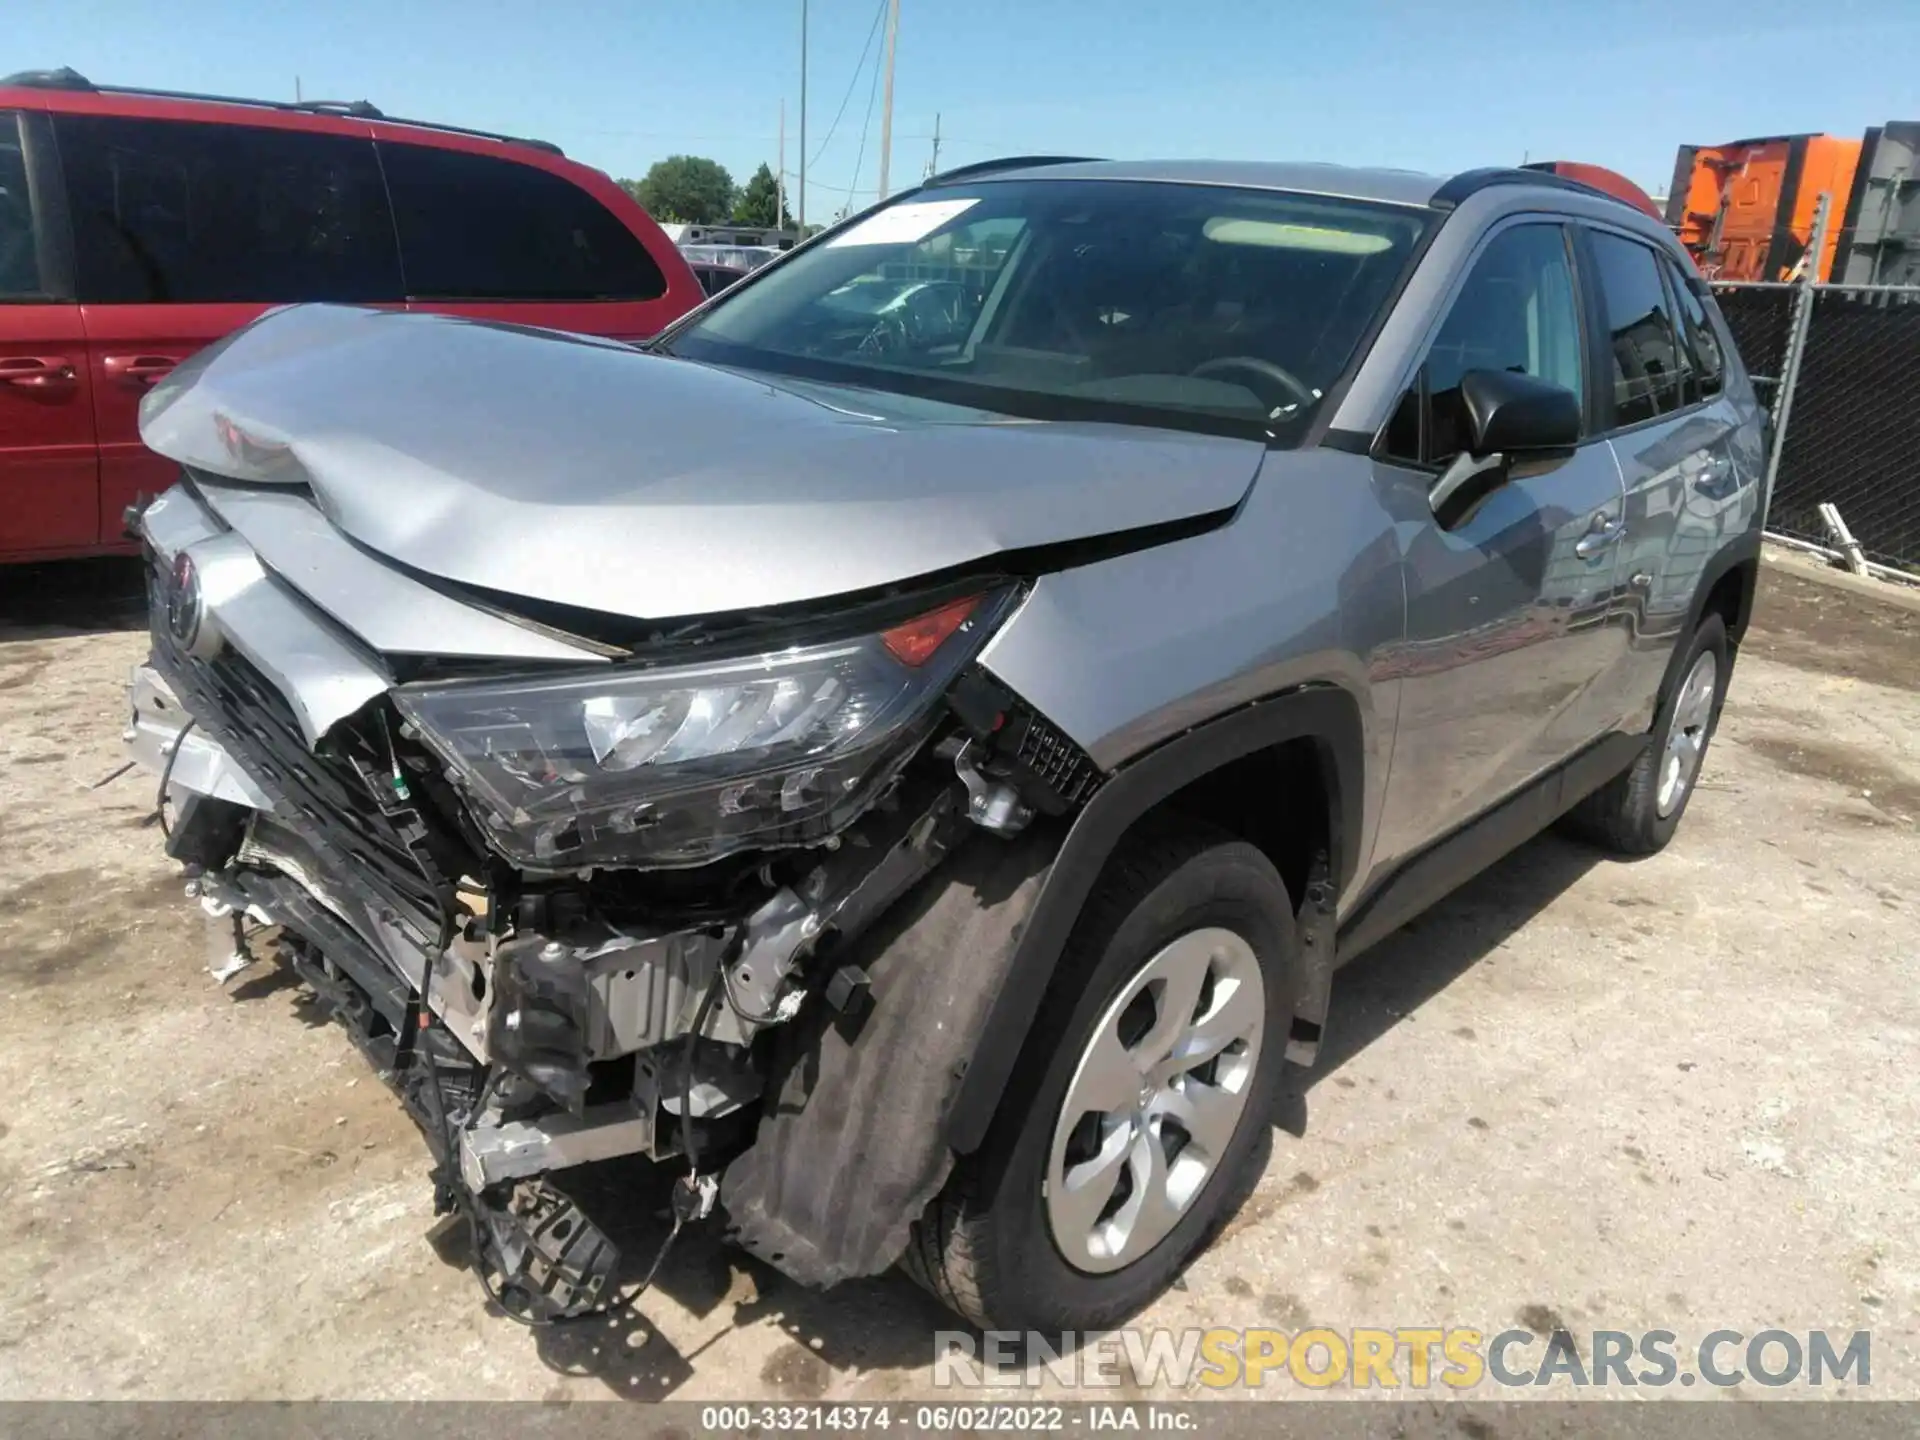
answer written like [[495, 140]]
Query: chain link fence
[[1851, 437]]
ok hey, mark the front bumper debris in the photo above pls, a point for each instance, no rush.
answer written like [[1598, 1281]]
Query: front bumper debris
[[533, 1022], [199, 763]]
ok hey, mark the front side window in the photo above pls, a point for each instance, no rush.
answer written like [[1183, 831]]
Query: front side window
[[171, 212], [1145, 302], [1642, 337], [473, 227], [1515, 311], [19, 259]]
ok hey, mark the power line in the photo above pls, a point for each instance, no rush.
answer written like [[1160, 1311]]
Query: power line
[[837, 189], [873, 88], [872, 31]]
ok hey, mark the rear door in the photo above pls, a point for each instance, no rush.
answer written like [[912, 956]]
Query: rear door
[[494, 238], [49, 464], [184, 231], [1671, 425], [1508, 652]]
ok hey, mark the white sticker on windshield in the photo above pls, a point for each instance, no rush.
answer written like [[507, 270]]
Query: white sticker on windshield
[[903, 224]]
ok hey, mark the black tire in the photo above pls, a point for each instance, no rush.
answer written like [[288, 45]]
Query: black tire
[[984, 1246], [1623, 815]]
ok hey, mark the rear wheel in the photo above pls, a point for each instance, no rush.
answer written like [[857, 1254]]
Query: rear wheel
[[1130, 1131], [1637, 812]]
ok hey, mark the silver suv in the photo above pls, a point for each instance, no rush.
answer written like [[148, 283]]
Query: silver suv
[[908, 749]]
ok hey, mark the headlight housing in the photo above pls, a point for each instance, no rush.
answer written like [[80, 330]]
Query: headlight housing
[[677, 765]]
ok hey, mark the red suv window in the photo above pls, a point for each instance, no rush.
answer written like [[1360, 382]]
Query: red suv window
[[476, 228], [175, 212]]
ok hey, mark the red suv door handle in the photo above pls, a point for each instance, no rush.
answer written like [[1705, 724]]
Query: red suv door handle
[[139, 369], [35, 372]]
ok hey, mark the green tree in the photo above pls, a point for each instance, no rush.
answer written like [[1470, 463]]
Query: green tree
[[686, 188], [760, 202]]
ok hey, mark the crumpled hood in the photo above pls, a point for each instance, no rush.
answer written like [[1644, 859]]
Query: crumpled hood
[[585, 472]]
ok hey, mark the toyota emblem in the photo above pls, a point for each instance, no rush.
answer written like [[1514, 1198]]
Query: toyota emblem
[[185, 605]]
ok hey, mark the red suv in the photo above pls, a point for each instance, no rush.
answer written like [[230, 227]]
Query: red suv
[[137, 226]]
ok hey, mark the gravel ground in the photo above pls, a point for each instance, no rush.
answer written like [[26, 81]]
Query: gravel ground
[[1673, 1094]]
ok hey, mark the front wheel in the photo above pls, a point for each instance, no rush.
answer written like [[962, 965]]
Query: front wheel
[[1131, 1128]]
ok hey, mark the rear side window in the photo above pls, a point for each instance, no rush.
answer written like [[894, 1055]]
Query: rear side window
[[477, 228], [1642, 337], [1700, 343], [1516, 311], [19, 260], [168, 212]]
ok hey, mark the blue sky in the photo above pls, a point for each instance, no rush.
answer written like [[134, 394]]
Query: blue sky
[[1437, 86]]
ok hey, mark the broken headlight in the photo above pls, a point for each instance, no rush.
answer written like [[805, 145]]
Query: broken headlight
[[676, 765]]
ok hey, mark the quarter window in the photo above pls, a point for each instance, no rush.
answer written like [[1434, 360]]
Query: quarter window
[[1516, 311], [1701, 343], [173, 212], [1642, 337], [473, 227]]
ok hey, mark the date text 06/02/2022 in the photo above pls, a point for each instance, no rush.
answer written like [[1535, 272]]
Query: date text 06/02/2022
[[940, 1419]]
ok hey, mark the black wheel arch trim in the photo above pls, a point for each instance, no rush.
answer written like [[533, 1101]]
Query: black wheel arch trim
[[1326, 714], [1743, 551]]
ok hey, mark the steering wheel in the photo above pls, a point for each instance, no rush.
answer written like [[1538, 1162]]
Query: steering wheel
[[889, 336], [1297, 390]]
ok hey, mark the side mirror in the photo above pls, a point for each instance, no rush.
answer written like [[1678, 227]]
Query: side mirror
[[1508, 412], [1509, 416]]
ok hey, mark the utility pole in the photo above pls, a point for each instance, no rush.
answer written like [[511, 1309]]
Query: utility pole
[[933, 165], [886, 106], [780, 174], [803, 119]]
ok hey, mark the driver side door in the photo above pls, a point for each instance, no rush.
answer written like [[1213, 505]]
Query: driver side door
[[1508, 641]]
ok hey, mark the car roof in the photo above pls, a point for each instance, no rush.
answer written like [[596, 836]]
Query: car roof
[[1394, 187], [66, 89]]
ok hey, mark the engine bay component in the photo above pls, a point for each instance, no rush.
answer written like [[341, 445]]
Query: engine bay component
[[537, 1028]]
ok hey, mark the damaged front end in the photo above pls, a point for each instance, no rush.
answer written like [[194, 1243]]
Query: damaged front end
[[577, 906]]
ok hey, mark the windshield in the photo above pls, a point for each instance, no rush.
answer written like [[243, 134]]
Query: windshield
[[1136, 300]]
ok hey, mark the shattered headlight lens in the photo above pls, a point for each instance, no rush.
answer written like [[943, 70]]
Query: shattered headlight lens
[[677, 765]]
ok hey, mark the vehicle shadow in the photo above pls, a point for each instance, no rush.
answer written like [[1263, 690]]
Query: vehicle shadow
[[888, 1323], [72, 597], [1387, 986]]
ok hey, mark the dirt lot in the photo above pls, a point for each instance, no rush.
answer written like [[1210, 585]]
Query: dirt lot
[[1673, 1094]]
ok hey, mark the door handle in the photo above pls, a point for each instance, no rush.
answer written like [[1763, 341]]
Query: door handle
[[139, 369], [37, 372], [1607, 530], [1710, 472]]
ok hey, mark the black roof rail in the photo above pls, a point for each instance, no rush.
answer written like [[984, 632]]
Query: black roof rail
[[67, 78], [1472, 182], [1009, 162]]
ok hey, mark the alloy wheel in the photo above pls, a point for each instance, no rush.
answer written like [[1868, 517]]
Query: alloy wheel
[[1155, 1100], [1687, 734]]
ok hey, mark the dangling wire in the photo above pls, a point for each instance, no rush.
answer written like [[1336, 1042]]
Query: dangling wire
[[166, 774]]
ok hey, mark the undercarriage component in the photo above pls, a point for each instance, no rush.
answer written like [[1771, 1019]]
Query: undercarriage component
[[512, 1149], [540, 1254]]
